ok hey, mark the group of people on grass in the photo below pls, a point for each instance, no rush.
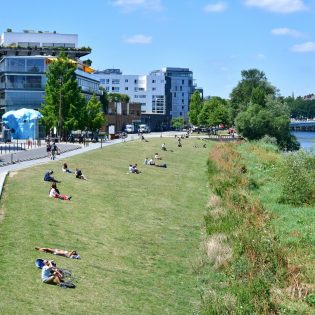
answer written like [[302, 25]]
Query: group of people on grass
[[54, 191], [154, 162], [50, 273]]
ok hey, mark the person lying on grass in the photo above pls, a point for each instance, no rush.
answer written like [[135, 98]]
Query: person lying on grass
[[49, 178], [54, 193], [65, 168], [60, 252]]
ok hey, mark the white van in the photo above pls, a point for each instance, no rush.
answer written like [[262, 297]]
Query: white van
[[144, 128], [130, 129]]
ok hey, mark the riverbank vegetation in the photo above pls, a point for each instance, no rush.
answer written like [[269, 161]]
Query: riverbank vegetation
[[258, 247]]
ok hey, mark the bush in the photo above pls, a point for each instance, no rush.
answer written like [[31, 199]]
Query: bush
[[297, 174]]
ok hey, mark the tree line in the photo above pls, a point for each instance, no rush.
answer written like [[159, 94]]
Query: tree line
[[255, 109]]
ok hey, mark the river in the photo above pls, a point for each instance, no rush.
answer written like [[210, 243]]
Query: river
[[306, 139]]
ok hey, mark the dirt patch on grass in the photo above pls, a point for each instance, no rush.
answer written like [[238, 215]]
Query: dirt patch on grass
[[12, 174]]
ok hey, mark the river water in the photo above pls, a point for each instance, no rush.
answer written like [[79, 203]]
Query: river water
[[306, 139]]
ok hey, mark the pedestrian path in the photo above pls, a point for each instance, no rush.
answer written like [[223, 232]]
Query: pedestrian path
[[33, 154]]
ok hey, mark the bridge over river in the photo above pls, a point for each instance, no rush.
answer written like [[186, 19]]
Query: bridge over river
[[302, 125]]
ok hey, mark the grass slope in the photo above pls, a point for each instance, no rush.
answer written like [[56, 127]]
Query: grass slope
[[137, 234]]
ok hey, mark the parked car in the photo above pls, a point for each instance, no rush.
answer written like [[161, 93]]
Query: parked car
[[144, 129]]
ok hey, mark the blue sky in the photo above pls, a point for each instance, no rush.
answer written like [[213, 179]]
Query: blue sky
[[215, 39]]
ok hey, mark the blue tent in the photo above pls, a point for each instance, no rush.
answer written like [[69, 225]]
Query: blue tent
[[23, 123]]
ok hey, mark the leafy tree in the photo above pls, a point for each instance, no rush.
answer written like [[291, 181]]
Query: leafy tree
[[64, 103], [214, 112], [272, 120], [95, 119], [253, 81], [195, 107], [178, 122], [104, 99], [117, 97], [87, 62]]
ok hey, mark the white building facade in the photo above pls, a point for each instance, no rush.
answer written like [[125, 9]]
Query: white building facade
[[164, 92], [30, 38]]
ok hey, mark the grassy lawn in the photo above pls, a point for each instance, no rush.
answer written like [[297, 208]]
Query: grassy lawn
[[137, 234]]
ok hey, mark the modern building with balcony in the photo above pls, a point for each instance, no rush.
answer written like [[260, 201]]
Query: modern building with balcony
[[163, 94], [24, 59]]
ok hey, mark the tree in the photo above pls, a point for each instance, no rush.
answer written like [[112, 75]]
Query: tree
[[178, 123], [272, 120], [87, 62], [104, 99], [195, 107], [64, 103], [95, 119], [242, 94], [214, 112]]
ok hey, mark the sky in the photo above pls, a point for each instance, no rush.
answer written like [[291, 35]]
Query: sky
[[214, 39]]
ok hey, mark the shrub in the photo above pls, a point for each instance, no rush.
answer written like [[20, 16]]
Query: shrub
[[297, 175]]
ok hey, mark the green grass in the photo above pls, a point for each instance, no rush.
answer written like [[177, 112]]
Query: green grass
[[293, 225], [138, 235]]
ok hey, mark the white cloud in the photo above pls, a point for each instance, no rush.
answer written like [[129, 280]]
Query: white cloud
[[215, 7], [305, 47], [279, 6], [131, 5], [284, 31], [260, 56], [138, 39]]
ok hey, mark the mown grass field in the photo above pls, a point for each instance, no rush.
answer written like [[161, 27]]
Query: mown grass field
[[138, 235]]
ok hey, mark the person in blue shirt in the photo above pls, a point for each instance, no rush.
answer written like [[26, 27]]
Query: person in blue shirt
[[50, 273], [49, 178]]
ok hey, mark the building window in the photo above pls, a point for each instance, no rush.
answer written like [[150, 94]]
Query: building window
[[126, 80], [182, 82], [180, 88], [102, 81], [183, 94], [115, 81], [126, 88], [107, 81], [136, 81], [180, 114], [182, 107], [174, 94], [153, 89], [182, 101], [115, 88], [153, 81]]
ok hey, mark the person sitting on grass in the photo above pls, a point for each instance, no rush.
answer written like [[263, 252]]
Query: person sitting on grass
[[49, 178], [50, 274], [157, 157], [163, 147], [54, 193], [59, 252], [65, 168], [134, 169], [78, 174]]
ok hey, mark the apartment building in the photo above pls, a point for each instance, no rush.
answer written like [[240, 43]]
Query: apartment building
[[24, 58], [163, 94]]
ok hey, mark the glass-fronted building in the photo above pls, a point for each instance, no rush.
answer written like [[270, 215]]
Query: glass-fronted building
[[23, 80]]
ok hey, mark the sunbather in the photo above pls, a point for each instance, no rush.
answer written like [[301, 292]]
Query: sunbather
[[54, 192], [78, 174], [49, 178], [60, 252]]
